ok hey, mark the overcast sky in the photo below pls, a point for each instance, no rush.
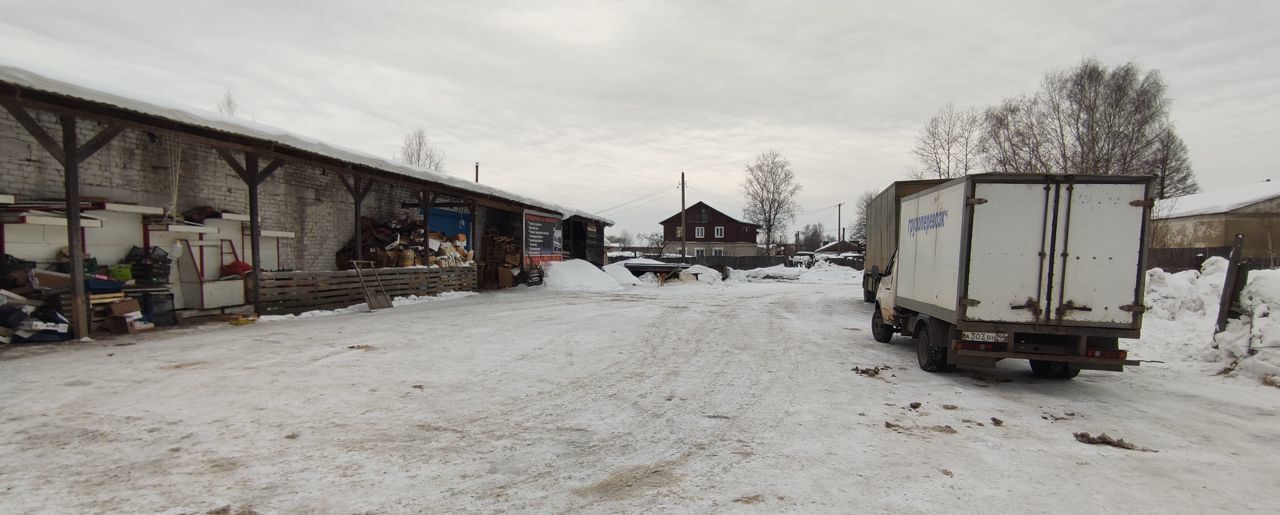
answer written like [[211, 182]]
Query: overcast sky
[[595, 104]]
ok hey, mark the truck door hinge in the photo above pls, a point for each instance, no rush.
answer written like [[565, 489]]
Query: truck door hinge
[[1133, 308], [1143, 203], [970, 302], [975, 201]]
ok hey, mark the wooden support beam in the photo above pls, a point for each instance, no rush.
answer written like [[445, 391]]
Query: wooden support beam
[[35, 130], [234, 164], [253, 180], [95, 144], [269, 169], [71, 187]]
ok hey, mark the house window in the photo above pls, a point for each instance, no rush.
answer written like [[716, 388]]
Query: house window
[[719, 232], [699, 232], [699, 252], [717, 252]]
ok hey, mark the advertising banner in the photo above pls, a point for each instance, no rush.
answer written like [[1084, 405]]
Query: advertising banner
[[542, 238]]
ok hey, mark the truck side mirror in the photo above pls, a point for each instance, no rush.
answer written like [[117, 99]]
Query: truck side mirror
[[875, 272]]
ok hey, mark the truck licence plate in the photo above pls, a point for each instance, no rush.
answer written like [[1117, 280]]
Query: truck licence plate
[[984, 337]]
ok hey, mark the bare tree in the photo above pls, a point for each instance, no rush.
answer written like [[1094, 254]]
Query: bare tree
[[1089, 119], [770, 189], [653, 240], [1171, 165], [418, 152], [950, 145], [227, 104], [858, 231]]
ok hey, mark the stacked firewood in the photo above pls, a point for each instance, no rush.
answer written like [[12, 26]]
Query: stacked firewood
[[404, 243]]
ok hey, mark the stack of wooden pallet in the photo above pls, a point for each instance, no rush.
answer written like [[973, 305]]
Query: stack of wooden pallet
[[99, 308]]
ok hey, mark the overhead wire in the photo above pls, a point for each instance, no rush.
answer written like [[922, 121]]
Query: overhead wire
[[661, 196], [643, 196]]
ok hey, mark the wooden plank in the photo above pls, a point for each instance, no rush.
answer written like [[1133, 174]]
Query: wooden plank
[[132, 208]]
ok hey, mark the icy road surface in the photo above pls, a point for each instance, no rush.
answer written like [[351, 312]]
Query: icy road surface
[[737, 397]]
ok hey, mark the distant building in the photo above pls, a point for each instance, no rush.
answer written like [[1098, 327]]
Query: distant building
[[711, 233], [1212, 219]]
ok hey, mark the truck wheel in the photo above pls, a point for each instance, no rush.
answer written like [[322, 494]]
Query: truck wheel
[[1054, 369], [882, 333], [932, 357]]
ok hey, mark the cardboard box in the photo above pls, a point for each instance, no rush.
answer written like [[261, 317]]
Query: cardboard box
[[51, 280], [125, 307], [118, 325]]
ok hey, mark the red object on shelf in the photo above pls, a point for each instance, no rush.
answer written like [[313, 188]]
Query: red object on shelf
[[239, 268]]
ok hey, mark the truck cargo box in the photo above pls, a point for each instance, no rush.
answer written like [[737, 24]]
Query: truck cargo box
[[1000, 252], [882, 228]]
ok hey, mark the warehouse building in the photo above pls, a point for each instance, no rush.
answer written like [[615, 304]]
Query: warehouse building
[[122, 180]]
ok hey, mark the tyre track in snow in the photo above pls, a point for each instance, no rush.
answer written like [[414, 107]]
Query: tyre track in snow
[[690, 402]]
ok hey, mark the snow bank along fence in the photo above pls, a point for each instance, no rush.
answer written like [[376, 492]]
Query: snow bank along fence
[[296, 292], [734, 262]]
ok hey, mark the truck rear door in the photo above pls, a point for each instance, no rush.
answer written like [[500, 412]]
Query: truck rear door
[[1056, 252], [1005, 267], [1097, 266]]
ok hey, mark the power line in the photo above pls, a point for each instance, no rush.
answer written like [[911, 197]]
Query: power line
[[644, 196], [661, 196]]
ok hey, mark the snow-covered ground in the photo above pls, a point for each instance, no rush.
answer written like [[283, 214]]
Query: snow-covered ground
[[732, 397]]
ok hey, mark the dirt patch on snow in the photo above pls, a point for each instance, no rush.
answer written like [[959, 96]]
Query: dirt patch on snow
[[1105, 439], [899, 428], [751, 499], [631, 481]]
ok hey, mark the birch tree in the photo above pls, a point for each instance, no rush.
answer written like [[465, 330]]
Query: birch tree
[[1090, 120], [227, 104], [770, 190], [417, 151], [950, 145]]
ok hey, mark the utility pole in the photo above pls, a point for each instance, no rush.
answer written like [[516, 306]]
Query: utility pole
[[477, 172], [839, 222], [684, 231]]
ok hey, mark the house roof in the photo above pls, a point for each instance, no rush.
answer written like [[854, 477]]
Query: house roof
[[834, 246], [195, 117], [1217, 201], [676, 217]]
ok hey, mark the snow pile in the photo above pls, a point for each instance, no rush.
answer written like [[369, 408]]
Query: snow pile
[[640, 261], [825, 272], [705, 275], [822, 272], [364, 307], [578, 275], [773, 273], [620, 273], [1252, 343], [1182, 311]]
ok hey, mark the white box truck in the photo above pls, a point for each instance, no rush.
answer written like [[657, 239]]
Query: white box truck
[[1047, 268]]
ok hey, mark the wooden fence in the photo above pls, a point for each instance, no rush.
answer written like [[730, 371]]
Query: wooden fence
[[295, 292], [1179, 259]]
